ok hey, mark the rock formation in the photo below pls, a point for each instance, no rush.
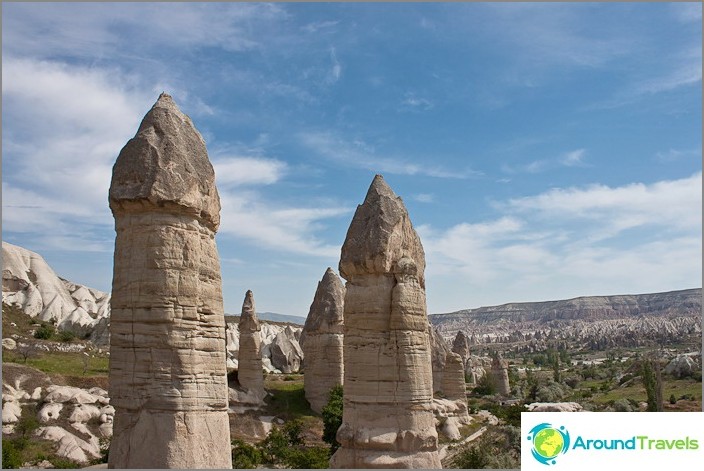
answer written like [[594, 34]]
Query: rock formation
[[453, 385], [168, 380], [286, 352], [388, 419], [250, 374], [461, 346], [268, 333], [499, 374], [322, 341], [31, 284], [439, 351]]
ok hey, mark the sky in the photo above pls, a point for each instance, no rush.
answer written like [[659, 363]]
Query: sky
[[544, 151]]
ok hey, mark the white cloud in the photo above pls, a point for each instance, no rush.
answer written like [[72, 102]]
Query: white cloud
[[233, 171], [153, 26], [359, 154], [424, 197], [573, 158], [336, 68], [672, 204], [571, 242], [63, 128], [286, 229], [320, 26], [672, 155], [413, 102]]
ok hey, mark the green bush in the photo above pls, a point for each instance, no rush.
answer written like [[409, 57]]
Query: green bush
[[332, 417], [64, 463], [44, 332], [11, 457], [66, 336], [245, 456], [317, 457]]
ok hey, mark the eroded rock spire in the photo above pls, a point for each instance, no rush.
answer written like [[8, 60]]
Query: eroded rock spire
[[388, 419], [322, 341], [167, 350]]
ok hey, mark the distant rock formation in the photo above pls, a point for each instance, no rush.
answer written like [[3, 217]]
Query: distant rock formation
[[268, 333], [250, 374], [439, 351], [499, 374], [683, 366], [31, 284], [388, 417], [322, 341], [461, 346], [454, 390], [168, 380], [286, 352], [592, 322]]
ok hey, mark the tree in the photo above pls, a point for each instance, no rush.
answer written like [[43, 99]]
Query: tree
[[650, 371], [332, 417]]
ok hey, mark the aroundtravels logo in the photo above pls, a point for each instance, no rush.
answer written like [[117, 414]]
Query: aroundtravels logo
[[548, 442]]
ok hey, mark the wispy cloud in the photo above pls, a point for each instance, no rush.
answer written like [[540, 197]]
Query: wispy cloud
[[357, 153], [577, 241], [237, 171], [413, 102], [672, 155], [574, 158], [319, 26], [424, 197], [335, 69], [286, 229]]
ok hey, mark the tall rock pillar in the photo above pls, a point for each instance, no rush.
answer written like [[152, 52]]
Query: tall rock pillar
[[250, 372], [168, 379], [321, 341], [388, 417]]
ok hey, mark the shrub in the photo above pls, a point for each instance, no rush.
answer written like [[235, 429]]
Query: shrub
[[44, 332], [622, 405], [66, 336], [245, 456], [64, 463], [317, 457], [11, 458], [332, 417], [673, 399]]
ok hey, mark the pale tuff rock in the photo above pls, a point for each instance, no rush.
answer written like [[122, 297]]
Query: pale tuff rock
[[388, 417], [88, 413], [168, 379], [682, 366], [454, 390], [286, 353], [439, 351], [268, 333], [499, 374], [30, 283], [453, 385], [461, 346], [554, 407], [322, 341], [250, 374]]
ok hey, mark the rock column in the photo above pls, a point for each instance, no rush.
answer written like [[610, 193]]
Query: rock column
[[167, 378], [499, 373], [250, 372], [388, 419], [322, 341]]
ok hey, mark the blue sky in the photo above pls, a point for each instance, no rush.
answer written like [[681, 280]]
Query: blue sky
[[544, 151]]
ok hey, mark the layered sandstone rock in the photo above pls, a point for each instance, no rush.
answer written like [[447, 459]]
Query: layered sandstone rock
[[250, 374], [322, 341], [499, 374], [439, 351], [167, 354], [461, 346], [388, 419]]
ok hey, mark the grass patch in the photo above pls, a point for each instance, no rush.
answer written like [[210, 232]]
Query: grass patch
[[288, 399], [62, 363]]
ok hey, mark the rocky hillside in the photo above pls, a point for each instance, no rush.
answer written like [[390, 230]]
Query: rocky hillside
[[30, 283], [593, 322]]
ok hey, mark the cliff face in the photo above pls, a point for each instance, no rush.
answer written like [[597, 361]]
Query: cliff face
[[596, 321]]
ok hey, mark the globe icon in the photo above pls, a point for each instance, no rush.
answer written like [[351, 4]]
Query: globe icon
[[548, 443]]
